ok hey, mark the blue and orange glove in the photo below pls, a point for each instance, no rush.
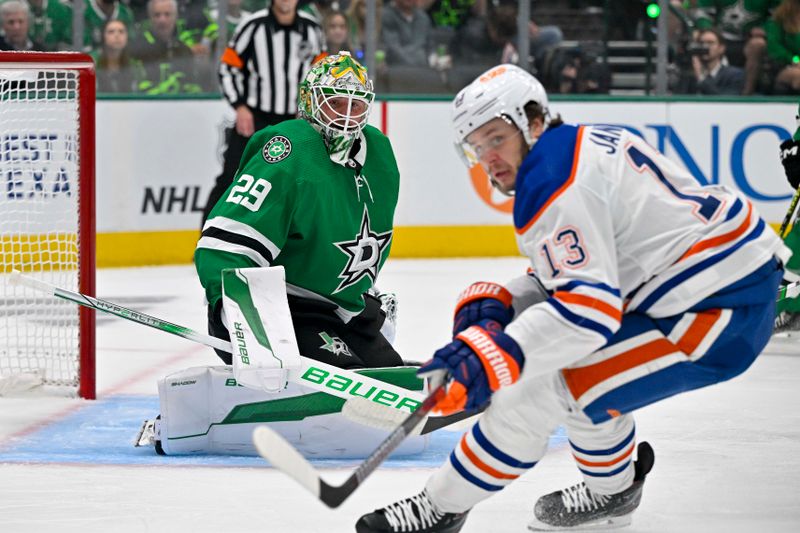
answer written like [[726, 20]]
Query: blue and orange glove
[[480, 360], [481, 301]]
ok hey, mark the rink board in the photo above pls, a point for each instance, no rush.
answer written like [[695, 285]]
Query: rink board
[[152, 182]]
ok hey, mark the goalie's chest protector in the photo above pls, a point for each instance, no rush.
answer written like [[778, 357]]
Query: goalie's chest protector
[[338, 231]]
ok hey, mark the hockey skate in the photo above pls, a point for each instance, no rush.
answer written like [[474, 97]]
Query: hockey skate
[[417, 514], [578, 508], [787, 322], [149, 435]]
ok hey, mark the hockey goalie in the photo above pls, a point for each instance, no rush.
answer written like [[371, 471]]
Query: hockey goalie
[[214, 409], [314, 198]]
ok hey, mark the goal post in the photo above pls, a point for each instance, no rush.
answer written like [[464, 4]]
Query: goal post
[[47, 219]]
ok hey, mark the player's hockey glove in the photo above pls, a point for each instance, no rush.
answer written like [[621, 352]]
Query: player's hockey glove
[[482, 300], [480, 360], [790, 157]]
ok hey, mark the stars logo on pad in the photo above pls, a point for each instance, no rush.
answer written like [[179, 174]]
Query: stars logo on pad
[[363, 254]]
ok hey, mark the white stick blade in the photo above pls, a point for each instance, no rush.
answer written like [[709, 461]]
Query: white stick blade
[[282, 455], [16, 278]]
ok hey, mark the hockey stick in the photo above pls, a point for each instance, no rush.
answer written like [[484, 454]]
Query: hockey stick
[[789, 213], [371, 414], [319, 376], [282, 455]]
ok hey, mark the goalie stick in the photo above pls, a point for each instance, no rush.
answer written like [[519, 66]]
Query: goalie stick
[[313, 374], [282, 455]]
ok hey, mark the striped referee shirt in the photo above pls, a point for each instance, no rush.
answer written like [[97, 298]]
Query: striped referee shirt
[[265, 62]]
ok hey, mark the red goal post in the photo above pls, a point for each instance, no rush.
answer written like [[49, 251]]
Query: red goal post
[[47, 219]]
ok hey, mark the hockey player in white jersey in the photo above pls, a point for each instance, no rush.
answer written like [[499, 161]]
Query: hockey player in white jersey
[[643, 284]]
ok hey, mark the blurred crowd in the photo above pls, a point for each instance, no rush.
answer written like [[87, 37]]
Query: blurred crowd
[[152, 47]]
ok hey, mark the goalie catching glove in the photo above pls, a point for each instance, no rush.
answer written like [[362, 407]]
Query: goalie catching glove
[[482, 300], [480, 360]]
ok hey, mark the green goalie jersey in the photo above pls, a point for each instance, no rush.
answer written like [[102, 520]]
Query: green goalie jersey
[[328, 225]]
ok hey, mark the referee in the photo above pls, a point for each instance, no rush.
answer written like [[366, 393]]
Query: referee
[[259, 72]]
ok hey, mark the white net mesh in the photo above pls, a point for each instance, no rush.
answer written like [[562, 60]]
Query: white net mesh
[[39, 218]]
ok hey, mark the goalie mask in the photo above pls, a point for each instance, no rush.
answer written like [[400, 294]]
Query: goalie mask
[[335, 97], [500, 92]]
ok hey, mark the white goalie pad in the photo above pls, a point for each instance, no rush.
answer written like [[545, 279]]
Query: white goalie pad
[[256, 313], [205, 411]]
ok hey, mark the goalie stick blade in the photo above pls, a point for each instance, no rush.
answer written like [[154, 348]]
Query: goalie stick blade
[[283, 456]]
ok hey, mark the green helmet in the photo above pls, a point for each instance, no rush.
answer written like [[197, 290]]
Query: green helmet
[[335, 97]]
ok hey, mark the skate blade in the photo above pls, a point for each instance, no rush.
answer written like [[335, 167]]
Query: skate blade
[[146, 435], [600, 524]]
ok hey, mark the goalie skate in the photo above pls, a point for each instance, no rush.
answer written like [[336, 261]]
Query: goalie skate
[[788, 323], [578, 508], [149, 435]]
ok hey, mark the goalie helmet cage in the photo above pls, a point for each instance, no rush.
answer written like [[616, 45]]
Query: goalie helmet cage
[[47, 226]]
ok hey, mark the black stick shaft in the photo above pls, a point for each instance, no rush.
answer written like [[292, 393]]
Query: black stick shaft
[[789, 213], [333, 496]]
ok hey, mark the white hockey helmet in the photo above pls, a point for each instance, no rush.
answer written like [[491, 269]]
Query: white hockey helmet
[[500, 92]]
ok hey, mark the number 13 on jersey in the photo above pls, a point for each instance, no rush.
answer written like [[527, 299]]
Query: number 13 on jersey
[[564, 250]]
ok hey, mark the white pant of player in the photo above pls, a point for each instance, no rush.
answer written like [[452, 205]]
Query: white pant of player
[[512, 435]]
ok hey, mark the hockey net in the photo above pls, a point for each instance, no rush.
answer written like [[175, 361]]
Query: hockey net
[[46, 220]]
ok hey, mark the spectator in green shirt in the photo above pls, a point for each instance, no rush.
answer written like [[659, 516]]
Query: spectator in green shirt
[[51, 24], [783, 46]]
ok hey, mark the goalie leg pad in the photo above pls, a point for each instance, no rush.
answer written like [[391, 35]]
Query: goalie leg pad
[[205, 411]]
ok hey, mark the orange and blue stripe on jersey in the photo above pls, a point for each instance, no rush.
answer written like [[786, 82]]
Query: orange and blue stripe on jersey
[[649, 359], [547, 171], [481, 463], [704, 255], [594, 306]]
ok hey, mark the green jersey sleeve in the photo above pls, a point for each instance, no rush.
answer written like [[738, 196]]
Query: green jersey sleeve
[[250, 224]]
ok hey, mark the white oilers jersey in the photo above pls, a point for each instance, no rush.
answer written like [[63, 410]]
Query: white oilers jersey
[[611, 227]]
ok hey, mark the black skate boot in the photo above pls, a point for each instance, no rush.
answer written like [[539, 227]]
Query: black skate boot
[[577, 507], [416, 514]]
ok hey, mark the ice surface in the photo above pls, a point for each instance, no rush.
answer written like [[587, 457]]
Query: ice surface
[[727, 457]]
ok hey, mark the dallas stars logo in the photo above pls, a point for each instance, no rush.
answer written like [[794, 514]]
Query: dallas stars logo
[[335, 345], [277, 149], [363, 254]]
